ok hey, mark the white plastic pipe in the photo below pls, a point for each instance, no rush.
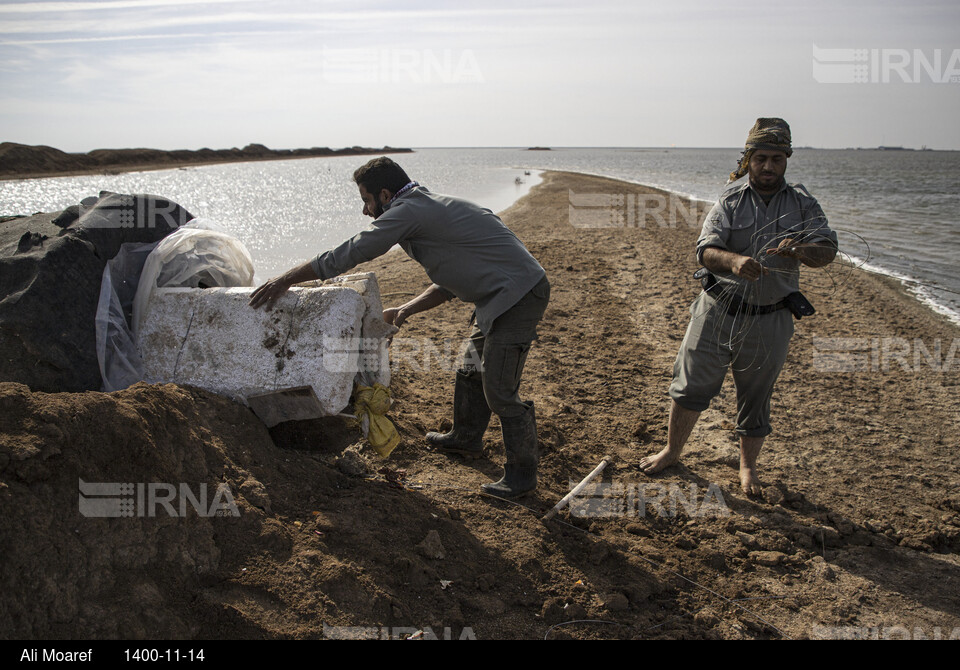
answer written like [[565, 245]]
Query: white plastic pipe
[[576, 489]]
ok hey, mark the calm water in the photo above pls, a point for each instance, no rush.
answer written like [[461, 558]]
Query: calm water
[[897, 210]]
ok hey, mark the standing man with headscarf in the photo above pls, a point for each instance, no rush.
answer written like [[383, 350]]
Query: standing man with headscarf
[[751, 246]]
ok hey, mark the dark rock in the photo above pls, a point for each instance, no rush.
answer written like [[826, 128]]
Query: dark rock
[[49, 293], [616, 602], [768, 558], [351, 462], [432, 547], [28, 241], [552, 610], [67, 216]]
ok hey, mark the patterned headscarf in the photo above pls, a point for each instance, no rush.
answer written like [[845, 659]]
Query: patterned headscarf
[[766, 134]]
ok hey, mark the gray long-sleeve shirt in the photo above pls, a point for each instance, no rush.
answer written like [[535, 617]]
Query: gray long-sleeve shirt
[[742, 223], [465, 249]]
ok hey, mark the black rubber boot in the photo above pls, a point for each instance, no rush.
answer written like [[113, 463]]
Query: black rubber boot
[[520, 444], [470, 418]]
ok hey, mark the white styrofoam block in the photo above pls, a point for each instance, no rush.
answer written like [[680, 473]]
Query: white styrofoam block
[[212, 339], [375, 333]]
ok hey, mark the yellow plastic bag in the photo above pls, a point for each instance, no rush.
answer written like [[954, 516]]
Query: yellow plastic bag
[[370, 405]]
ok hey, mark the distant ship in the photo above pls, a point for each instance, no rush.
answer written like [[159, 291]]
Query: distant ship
[[882, 148]]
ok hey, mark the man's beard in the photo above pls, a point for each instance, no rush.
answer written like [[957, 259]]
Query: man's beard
[[767, 183]]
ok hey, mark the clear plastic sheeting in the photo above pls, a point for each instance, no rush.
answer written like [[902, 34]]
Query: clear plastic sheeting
[[117, 353], [196, 255]]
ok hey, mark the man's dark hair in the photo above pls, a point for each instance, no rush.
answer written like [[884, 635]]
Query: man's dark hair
[[381, 173]]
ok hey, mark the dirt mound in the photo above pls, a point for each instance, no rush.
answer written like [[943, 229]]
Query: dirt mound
[[67, 575], [310, 552]]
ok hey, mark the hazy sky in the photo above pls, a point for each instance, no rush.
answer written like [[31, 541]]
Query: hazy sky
[[170, 74]]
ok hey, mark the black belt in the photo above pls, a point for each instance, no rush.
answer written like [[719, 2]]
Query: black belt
[[736, 306]]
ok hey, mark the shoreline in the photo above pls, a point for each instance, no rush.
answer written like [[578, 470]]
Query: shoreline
[[119, 161], [918, 289], [859, 522], [913, 287], [653, 187]]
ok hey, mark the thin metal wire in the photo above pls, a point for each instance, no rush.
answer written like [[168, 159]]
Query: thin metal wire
[[565, 623], [737, 327]]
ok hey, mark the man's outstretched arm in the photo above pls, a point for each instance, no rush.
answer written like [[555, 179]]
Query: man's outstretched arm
[[716, 259], [433, 296], [811, 254], [271, 290]]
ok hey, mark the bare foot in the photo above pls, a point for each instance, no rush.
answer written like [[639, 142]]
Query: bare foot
[[657, 462], [749, 450], [749, 482]]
